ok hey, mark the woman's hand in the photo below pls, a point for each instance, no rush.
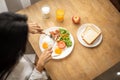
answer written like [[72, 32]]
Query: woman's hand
[[43, 59], [34, 28]]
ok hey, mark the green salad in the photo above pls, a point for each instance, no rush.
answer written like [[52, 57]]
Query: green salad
[[65, 36]]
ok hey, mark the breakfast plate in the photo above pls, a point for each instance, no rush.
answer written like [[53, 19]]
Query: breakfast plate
[[82, 29], [53, 43]]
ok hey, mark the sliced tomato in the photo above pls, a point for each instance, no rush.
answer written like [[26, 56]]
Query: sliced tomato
[[61, 44]]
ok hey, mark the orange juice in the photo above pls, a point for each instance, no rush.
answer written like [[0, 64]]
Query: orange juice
[[60, 15]]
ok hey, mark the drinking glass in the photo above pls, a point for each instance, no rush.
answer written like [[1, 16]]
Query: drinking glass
[[45, 11], [60, 15]]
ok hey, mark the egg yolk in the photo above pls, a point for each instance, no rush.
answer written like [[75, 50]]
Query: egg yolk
[[45, 45], [58, 51]]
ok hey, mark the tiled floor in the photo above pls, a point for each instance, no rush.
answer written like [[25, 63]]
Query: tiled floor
[[116, 3], [111, 74]]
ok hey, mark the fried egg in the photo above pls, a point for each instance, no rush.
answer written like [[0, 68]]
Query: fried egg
[[47, 42], [56, 51]]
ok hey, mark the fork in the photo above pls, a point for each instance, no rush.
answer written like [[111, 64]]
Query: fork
[[47, 35]]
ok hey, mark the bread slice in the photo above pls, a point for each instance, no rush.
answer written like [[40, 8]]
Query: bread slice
[[90, 34]]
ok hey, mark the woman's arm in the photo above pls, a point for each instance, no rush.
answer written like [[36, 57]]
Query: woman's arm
[[38, 72], [34, 28]]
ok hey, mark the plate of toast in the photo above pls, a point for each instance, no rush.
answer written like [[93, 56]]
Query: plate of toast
[[89, 35]]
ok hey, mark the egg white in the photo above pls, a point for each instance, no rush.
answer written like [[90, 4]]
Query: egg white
[[49, 41], [54, 47], [54, 54]]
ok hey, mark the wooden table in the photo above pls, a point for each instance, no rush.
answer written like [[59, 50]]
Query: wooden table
[[83, 63]]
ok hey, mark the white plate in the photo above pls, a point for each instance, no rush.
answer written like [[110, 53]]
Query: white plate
[[65, 52], [79, 32]]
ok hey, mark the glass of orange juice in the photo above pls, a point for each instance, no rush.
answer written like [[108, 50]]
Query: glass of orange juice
[[60, 15]]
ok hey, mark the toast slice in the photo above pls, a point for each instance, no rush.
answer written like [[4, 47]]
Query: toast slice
[[90, 34]]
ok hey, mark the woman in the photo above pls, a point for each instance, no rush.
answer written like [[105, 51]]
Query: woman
[[13, 37]]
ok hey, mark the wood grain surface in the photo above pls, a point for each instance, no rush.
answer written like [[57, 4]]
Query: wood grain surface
[[83, 63]]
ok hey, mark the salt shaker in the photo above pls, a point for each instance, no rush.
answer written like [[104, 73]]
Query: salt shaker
[[45, 11]]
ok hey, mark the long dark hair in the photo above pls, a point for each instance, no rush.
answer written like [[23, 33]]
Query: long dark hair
[[13, 38]]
